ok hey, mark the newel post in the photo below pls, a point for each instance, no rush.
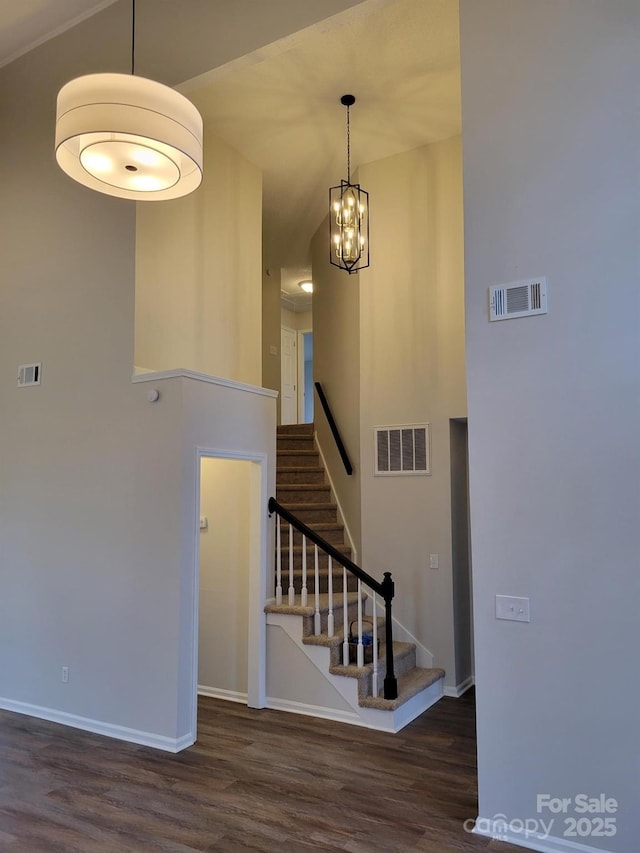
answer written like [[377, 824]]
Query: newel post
[[390, 681]]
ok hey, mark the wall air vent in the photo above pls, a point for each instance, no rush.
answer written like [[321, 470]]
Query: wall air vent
[[519, 299], [29, 374], [401, 450]]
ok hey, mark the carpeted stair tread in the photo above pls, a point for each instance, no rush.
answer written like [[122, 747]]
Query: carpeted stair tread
[[309, 609], [400, 650], [408, 686], [299, 469], [296, 429], [285, 488], [338, 638], [297, 506], [291, 474]]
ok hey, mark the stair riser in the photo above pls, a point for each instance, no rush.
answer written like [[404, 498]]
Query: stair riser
[[402, 664], [323, 584], [334, 537], [323, 561], [308, 622], [295, 442], [295, 429], [299, 459], [301, 494], [311, 516], [309, 477]]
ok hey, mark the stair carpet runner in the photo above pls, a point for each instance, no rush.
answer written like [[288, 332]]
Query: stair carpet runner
[[301, 487]]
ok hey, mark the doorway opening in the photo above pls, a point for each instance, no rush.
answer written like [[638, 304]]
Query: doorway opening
[[296, 376], [231, 568], [461, 556], [305, 377]]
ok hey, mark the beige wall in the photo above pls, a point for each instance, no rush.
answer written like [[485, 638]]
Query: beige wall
[[301, 321], [198, 273], [271, 308], [389, 349], [98, 492], [225, 499], [551, 172], [336, 365], [412, 371]]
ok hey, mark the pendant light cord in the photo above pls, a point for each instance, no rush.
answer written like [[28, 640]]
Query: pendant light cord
[[133, 37], [348, 148]]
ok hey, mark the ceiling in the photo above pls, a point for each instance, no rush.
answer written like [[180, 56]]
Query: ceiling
[[24, 24], [281, 108]]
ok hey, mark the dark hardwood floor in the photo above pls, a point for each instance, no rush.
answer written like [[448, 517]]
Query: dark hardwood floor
[[255, 781]]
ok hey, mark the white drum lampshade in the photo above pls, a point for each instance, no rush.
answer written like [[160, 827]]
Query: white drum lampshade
[[129, 137]]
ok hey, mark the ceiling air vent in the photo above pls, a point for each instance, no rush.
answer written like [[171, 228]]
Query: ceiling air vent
[[29, 374], [519, 299], [402, 450]]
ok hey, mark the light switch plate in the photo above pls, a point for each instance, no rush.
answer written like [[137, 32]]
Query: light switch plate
[[513, 608]]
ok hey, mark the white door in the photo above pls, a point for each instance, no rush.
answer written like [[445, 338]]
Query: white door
[[288, 376]]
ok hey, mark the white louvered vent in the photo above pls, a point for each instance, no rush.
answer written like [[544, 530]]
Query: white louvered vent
[[519, 299], [402, 450], [29, 374]]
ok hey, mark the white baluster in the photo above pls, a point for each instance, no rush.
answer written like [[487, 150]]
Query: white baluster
[[278, 561], [330, 625], [317, 621], [292, 591], [345, 619], [303, 597], [360, 646], [374, 683]]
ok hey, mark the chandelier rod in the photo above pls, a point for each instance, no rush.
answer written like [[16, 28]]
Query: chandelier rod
[[348, 147], [133, 37]]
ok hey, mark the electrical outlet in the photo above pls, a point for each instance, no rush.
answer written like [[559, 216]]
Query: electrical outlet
[[65, 674], [513, 608], [434, 561]]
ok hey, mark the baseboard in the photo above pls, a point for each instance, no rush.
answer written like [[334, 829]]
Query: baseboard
[[457, 691], [219, 693], [313, 711], [498, 829], [99, 727]]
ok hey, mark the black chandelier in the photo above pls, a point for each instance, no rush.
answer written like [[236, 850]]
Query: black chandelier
[[349, 216]]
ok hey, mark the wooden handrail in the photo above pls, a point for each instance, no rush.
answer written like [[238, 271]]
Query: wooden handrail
[[384, 588], [342, 450]]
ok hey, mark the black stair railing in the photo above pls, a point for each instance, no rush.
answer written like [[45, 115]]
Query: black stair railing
[[385, 588], [342, 450]]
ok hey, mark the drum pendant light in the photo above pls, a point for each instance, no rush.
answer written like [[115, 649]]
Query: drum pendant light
[[349, 216], [128, 136]]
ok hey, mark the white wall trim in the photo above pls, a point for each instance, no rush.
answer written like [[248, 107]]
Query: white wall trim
[[530, 839], [258, 538], [183, 373], [457, 691], [424, 657], [99, 727], [219, 693], [354, 552], [313, 711]]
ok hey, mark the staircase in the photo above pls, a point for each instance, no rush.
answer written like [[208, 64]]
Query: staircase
[[302, 488]]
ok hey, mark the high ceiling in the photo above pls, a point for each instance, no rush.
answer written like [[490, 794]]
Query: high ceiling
[[281, 107], [282, 110], [24, 24]]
